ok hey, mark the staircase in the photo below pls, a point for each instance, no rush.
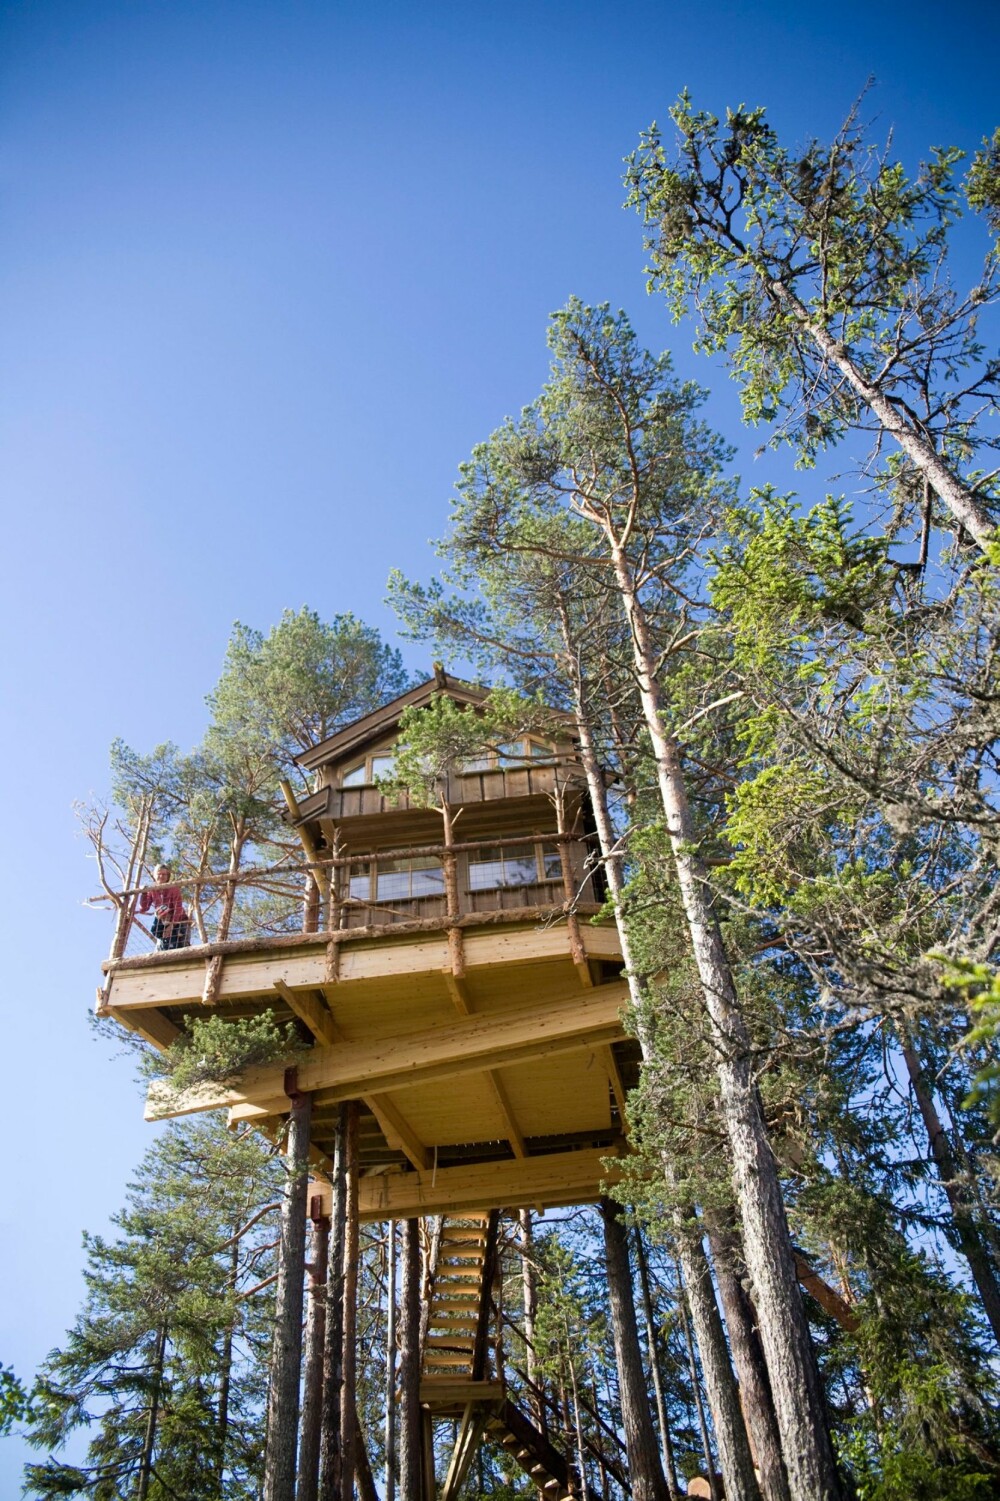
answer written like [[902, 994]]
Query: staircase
[[454, 1380], [455, 1344], [550, 1470]]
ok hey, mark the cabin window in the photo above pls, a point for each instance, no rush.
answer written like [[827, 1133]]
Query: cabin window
[[396, 880], [514, 865], [406, 879], [509, 755], [364, 774]]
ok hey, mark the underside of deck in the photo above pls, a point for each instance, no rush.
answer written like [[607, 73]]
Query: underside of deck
[[489, 1057]]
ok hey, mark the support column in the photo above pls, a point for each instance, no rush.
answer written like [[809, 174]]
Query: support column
[[286, 1345], [348, 1410], [331, 1454], [645, 1470], [410, 1458], [312, 1383]]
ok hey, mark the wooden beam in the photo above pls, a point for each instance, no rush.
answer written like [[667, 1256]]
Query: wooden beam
[[514, 1136], [557, 1179], [311, 1008], [315, 1014], [617, 1083], [148, 1023], [350, 1070], [303, 964], [398, 1132]]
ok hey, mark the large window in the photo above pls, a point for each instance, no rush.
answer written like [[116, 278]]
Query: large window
[[514, 865], [365, 773], [398, 880], [510, 756]]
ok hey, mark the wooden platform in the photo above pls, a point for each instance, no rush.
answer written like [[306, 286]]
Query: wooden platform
[[491, 1067]]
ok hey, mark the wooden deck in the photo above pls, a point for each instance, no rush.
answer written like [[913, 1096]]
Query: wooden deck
[[492, 1067]]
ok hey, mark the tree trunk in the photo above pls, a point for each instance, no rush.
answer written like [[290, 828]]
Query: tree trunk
[[791, 1361], [410, 1458], [685, 1307], [958, 497], [312, 1382], [226, 1367], [967, 1233], [529, 1287], [331, 1451], [669, 1465], [348, 1411], [748, 1358], [645, 1470], [286, 1346], [731, 1437], [149, 1437], [390, 1364]]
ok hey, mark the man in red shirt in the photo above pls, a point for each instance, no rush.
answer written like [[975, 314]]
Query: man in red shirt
[[171, 926]]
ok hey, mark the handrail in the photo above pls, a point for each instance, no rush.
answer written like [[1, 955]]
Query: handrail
[[547, 1401]]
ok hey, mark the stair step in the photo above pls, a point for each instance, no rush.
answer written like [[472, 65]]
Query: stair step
[[442, 1357]]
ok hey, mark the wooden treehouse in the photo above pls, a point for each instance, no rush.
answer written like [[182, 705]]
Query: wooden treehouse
[[447, 976]]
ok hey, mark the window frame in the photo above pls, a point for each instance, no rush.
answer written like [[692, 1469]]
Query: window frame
[[540, 848], [366, 767]]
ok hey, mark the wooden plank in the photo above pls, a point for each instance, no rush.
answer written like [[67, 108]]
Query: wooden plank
[[149, 1024], [561, 1178], [514, 1136], [350, 1070], [397, 1131], [312, 1009], [309, 1009]]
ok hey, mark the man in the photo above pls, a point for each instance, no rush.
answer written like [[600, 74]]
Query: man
[[171, 926]]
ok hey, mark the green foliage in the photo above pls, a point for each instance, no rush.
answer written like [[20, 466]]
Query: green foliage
[[805, 263], [168, 1332], [217, 1049], [444, 734], [14, 1407], [979, 985]]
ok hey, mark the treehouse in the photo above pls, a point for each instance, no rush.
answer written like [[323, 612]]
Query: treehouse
[[441, 966]]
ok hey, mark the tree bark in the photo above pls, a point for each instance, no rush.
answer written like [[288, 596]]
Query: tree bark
[[286, 1346], [791, 1361], [149, 1437], [669, 1466], [348, 1410], [312, 1382], [529, 1287], [410, 1457], [226, 1367], [958, 497], [645, 1470], [720, 1386], [331, 1453], [967, 1232], [751, 1370], [390, 1364]]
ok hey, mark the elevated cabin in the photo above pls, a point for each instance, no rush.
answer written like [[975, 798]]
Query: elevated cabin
[[514, 828], [447, 974]]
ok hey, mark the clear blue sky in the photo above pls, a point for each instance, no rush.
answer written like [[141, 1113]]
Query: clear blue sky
[[268, 270]]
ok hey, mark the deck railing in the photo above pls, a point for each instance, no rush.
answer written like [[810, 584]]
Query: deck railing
[[368, 889]]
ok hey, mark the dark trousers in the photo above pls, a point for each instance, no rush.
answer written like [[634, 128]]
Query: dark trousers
[[171, 935]]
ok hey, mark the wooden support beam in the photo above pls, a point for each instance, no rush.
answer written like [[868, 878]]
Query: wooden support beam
[[348, 1071], [555, 1179], [311, 1008], [148, 1023], [617, 1083], [514, 1136]]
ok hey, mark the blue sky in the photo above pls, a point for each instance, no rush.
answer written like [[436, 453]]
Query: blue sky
[[268, 271]]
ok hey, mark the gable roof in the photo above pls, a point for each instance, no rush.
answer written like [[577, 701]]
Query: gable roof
[[382, 721]]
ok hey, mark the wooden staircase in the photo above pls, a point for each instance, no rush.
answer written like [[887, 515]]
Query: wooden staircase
[[454, 1350], [454, 1380], [552, 1473]]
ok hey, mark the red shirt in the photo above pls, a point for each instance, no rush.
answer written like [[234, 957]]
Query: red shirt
[[165, 902]]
